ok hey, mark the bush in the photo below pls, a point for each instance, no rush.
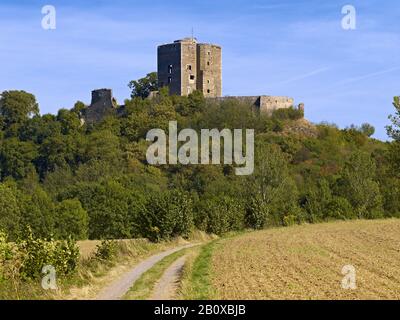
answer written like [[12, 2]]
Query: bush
[[222, 215], [10, 215], [72, 220], [167, 215], [288, 114], [107, 205], [6, 254], [106, 250], [340, 208], [66, 256], [36, 253], [256, 213]]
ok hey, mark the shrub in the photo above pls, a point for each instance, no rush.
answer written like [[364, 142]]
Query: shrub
[[6, 254], [256, 213], [72, 220], [288, 113], [106, 250], [167, 215], [36, 253], [10, 215], [66, 256], [223, 214], [340, 208]]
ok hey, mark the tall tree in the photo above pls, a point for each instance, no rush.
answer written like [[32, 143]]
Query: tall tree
[[359, 185], [394, 129], [10, 215], [17, 106], [16, 158], [141, 88], [71, 220]]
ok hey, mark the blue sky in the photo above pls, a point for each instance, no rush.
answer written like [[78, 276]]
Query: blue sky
[[292, 48]]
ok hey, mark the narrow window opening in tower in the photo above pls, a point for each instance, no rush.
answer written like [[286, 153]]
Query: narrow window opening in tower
[[191, 77], [208, 81], [169, 79], [209, 53], [189, 67], [208, 63], [208, 90], [170, 69]]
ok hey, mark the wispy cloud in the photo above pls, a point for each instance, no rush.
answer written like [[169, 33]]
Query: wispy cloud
[[366, 76], [305, 76]]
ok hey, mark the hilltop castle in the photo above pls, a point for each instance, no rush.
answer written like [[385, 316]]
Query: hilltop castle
[[185, 66]]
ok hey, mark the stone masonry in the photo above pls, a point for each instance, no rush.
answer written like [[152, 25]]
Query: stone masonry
[[185, 66], [266, 104], [103, 104]]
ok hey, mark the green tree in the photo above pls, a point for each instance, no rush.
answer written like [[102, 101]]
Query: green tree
[[107, 205], [103, 145], [71, 220], [10, 214], [79, 106], [141, 88], [394, 129], [367, 129], [358, 185], [317, 201], [17, 106], [166, 215], [272, 187], [16, 158], [38, 128], [37, 210], [69, 121]]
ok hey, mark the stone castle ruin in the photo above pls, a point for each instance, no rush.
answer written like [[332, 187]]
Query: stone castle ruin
[[185, 66]]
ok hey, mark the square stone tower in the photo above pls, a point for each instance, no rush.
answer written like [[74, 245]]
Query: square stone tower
[[185, 66], [209, 70]]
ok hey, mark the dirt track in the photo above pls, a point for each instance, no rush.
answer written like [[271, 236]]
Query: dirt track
[[117, 289], [167, 286]]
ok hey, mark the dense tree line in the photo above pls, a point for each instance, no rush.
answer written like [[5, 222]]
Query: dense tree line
[[64, 178]]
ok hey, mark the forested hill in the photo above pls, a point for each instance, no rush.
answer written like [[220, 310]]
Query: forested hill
[[63, 178]]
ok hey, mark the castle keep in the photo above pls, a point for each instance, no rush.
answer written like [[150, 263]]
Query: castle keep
[[185, 66]]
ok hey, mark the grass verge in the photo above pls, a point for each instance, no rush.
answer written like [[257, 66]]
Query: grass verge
[[196, 282]]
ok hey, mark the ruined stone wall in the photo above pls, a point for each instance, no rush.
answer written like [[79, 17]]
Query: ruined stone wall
[[102, 104], [266, 104]]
